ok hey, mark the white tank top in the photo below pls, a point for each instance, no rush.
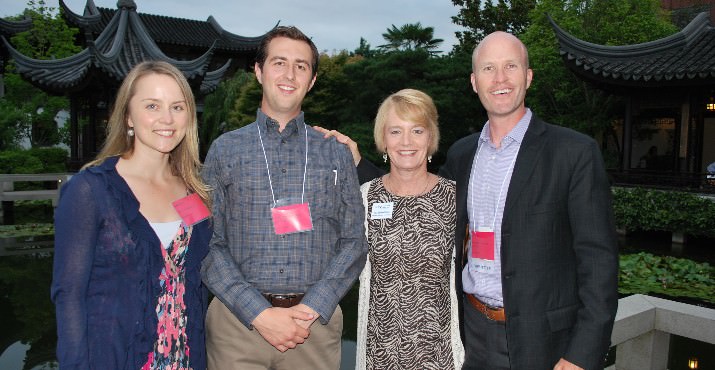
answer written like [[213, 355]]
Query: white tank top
[[165, 230]]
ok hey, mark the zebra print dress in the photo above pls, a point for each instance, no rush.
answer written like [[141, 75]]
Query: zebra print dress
[[408, 325]]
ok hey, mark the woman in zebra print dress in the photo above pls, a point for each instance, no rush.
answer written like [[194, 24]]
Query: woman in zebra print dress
[[407, 316]]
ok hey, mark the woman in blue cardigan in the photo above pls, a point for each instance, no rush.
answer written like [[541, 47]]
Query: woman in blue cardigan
[[131, 230]]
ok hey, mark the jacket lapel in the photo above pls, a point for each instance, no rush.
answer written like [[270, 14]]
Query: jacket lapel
[[525, 161]]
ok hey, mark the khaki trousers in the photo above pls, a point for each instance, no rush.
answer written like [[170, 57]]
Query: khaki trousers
[[230, 345]]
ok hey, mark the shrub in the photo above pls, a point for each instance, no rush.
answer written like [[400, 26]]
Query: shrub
[[53, 159], [19, 162], [657, 210], [35, 160]]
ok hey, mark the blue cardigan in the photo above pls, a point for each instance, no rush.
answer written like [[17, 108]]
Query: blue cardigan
[[105, 277]]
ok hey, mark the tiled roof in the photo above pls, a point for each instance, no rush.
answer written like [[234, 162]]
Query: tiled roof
[[684, 58], [123, 43], [166, 30], [9, 28]]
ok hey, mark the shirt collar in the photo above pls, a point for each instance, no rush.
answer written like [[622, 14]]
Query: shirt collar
[[516, 134], [269, 125]]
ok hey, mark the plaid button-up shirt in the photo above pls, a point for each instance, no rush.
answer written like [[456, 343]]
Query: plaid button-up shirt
[[246, 257]]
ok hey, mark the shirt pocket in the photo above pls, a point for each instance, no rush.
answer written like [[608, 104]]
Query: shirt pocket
[[322, 188]]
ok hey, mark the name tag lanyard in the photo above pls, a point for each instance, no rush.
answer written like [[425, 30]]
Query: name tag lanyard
[[289, 216], [483, 242]]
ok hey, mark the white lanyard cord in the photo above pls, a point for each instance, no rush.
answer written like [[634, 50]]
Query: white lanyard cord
[[305, 168]]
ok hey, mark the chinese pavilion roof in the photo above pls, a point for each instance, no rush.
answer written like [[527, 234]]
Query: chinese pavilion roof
[[118, 39], [10, 28], [686, 58], [165, 30]]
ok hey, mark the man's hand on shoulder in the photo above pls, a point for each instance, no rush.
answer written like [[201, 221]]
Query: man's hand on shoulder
[[279, 328], [565, 365], [342, 138]]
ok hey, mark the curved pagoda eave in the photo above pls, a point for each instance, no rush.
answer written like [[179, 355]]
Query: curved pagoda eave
[[685, 58], [90, 20], [56, 75], [9, 28]]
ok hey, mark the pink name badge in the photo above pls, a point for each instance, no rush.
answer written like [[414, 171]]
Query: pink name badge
[[293, 218], [191, 209], [483, 245]]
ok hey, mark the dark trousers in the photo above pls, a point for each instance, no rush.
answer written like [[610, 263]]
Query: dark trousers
[[485, 344]]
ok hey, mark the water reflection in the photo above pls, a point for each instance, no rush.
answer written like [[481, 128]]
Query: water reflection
[[27, 313]]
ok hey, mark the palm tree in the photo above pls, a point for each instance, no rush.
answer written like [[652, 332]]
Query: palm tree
[[411, 37]]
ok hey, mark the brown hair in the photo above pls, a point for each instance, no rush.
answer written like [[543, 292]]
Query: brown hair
[[410, 105], [292, 33], [184, 159]]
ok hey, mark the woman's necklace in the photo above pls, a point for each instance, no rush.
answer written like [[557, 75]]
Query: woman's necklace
[[393, 189]]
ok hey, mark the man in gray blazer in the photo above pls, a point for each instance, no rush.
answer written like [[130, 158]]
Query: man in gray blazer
[[535, 231]]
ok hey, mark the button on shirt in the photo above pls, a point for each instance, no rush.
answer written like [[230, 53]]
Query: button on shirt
[[488, 187], [246, 257]]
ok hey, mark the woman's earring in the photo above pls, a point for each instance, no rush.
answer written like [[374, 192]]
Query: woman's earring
[[130, 132], [429, 158], [384, 157]]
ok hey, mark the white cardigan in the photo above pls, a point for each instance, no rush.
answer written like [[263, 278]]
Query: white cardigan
[[364, 304]]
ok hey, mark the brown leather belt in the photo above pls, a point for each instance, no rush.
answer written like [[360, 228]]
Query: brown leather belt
[[492, 313], [283, 300]]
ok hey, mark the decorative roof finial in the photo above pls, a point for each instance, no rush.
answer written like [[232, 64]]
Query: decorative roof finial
[[126, 4]]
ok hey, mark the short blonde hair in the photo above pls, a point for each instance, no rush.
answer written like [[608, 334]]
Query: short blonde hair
[[184, 159], [410, 105]]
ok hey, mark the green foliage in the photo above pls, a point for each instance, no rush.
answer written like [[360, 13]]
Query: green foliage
[[480, 19], [14, 125], [35, 160], [19, 162], [249, 99], [27, 230], [657, 210], [556, 94], [364, 49], [411, 37], [327, 98], [54, 160], [49, 38], [362, 134], [645, 273], [25, 108], [217, 108]]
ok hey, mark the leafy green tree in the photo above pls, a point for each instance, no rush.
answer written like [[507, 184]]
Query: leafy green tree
[[218, 108], [459, 108], [28, 109], [248, 100], [328, 97], [482, 18], [411, 37], [364, 49], [370, 80]]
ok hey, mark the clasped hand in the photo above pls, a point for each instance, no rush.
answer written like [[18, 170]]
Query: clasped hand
[[285, 328]]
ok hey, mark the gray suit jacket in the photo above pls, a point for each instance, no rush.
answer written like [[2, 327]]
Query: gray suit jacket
[[559, 253]]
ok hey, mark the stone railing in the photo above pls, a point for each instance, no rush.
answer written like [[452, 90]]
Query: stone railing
[[643, 327], [8, 194]]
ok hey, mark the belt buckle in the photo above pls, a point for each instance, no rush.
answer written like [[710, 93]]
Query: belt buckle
[[284, 296]]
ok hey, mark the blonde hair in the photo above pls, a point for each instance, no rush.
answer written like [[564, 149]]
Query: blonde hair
[[184, 159], [410, 105]]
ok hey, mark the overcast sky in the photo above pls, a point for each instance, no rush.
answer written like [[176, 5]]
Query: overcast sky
[[334, 25]]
